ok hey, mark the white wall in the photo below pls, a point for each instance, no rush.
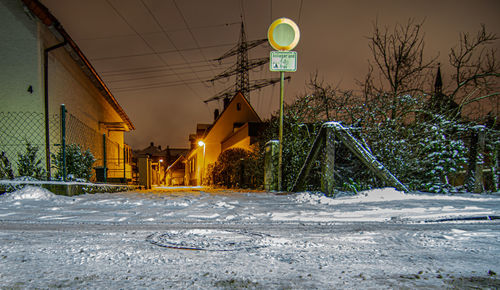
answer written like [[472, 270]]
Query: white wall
[[19, 60]]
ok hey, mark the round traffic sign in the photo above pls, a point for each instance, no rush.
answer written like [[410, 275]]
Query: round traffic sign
[[283, 34]]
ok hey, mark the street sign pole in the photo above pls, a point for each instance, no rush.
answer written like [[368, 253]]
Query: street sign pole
[[280, 156], [283, 35]]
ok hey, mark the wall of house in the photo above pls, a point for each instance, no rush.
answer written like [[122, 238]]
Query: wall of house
[[20, 61], [224, 127], [23, 40], [68, 84], [21, 109], [239, 139], [192, 169]]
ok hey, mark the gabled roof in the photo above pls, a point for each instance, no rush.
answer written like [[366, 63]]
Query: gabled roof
[[49, 20], [238, 97]]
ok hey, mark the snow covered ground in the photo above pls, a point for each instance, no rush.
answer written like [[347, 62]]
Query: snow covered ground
[[193, 239]]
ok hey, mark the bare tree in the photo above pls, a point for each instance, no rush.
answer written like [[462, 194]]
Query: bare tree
[[476, 69], [399, 58]]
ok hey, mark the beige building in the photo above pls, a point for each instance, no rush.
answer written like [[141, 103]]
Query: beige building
[[42, 68], [235, 127]]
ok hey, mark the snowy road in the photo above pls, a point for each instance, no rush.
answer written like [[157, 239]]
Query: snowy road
[[382, 239]]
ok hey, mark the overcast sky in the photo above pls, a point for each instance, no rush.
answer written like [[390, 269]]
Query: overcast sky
[[155, 55]]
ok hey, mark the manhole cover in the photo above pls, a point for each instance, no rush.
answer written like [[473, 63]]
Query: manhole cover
[[207, 240]]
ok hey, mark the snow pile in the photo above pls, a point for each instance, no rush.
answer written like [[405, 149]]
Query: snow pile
[[375, 195], [385, 195], [30, 193], [381, 194]]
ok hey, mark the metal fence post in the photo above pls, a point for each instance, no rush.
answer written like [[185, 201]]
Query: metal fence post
[[104, 158], [63, 140]]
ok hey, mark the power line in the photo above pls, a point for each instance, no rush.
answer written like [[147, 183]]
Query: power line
[[190, 31], [157, 76], [241, 69], [166, 85], [147, 69], [145, 42], [168, 37], [271, 11], [233, 70], [153, 33], [159, 84], [254, 85], [158, 52], [157, 70], [300, 11]]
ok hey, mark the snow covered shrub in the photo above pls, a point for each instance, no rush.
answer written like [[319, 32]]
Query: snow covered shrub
[[297, 140], [422, 155], [28, 164], [492, 153], [443, 154], [236, 168], [78, 163], [5, 167]]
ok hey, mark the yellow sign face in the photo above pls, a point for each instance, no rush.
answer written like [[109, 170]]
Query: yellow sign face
[[283, 34]]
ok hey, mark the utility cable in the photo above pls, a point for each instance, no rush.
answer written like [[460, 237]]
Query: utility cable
[[158, 52], [147, 44]]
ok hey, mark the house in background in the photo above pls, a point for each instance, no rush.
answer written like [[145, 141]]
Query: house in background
[[154, 166], [236, 127], [174, 175], [43, 68]]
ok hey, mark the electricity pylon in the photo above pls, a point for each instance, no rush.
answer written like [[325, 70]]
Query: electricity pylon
[[241, 69]]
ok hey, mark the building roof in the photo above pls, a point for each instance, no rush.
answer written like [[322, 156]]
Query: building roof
[[238, 96], [49, 20]]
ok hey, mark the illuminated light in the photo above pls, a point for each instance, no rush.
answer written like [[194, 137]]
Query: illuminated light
[[161, 160], [201, 143]]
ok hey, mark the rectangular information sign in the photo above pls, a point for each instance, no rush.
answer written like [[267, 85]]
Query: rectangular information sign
[[283, 61]]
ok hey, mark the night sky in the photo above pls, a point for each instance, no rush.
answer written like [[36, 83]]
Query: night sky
[[155, 55]]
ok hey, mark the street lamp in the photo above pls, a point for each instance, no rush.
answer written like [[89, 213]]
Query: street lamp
[[201, 143]]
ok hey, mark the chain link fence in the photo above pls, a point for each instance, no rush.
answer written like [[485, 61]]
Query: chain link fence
[[87, 138], [19, 128]]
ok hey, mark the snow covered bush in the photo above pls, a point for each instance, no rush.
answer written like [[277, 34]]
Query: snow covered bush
[[298, 136], [5, 167], [78, 163], [236, 168], [423, 155], [492, 155], [28, 164], [443, 154]]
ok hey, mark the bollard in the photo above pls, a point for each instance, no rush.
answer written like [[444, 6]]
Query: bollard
[[271, 165]]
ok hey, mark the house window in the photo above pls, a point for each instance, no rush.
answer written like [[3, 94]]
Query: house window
[[238, 106]]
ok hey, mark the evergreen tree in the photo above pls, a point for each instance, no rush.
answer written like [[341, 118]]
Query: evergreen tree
[[78, 163], [5, 167], [28, 164]]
